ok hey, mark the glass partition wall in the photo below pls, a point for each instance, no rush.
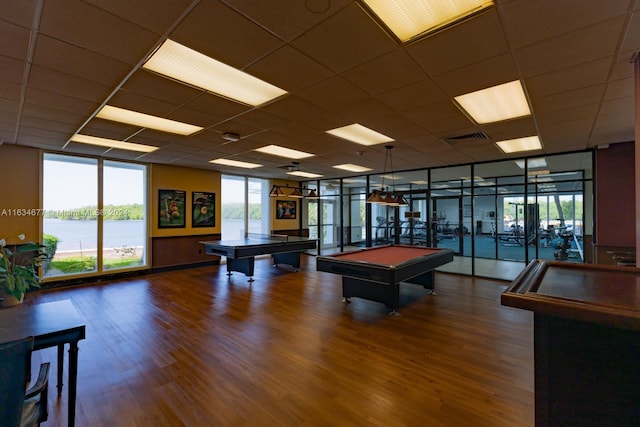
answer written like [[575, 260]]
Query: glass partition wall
[[495, 216]]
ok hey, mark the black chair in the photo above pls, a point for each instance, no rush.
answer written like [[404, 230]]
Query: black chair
[[17, 407]]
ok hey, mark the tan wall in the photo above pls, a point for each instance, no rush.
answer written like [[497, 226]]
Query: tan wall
[[285, 224], [164, 177], [20, 193]]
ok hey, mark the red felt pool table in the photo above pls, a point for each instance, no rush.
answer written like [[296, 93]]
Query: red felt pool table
[[375, 273]]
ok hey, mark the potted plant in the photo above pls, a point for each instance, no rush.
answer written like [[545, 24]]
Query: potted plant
[[19, 270]]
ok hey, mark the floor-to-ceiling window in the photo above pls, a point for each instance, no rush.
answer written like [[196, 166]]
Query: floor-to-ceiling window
[[95, 215], [245, 206], [258, 206], [124, 224]]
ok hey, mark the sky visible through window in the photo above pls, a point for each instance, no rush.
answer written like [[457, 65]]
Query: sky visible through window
[[63, 189]]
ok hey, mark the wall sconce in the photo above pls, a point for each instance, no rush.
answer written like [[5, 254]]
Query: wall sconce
[[384, 196]]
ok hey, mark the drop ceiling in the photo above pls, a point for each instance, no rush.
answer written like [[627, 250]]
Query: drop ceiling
[[63, 60]]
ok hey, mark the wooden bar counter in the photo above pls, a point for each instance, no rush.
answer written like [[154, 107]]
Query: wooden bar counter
[[586, 341]]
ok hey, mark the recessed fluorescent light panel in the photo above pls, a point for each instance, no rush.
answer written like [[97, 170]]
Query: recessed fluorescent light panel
[[538, 163], [112, 143], [360, 134], [497, 103], [189, 66], [305, 174], [520, 144], [235, 163], [352, 168], [408, 19], [539, 172], [121, 115], [276, 150]]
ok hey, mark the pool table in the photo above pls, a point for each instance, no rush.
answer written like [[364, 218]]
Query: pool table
[[375, 273], [586, 331], [241, 253]]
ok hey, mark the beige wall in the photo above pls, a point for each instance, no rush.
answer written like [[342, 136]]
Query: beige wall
[[284, 224], [164, 177], [20, 193]]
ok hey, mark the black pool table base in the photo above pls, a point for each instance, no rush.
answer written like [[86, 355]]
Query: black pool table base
[[385, 293], [247, 265]]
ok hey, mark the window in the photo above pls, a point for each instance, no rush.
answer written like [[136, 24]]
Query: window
[[88, 230], [245, 206]]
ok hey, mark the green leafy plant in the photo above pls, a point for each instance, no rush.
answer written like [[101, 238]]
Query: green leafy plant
[[19, 267]]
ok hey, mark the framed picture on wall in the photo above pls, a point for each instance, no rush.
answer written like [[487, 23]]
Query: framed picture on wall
[[171, 208], [203, 209], [286, 209]]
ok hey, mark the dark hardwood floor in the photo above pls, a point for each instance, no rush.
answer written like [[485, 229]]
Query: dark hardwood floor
[[195, 348]]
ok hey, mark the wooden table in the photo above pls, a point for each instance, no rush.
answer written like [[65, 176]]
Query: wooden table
[[586, 341], [51, 324]]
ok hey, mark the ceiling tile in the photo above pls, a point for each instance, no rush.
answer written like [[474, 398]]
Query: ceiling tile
[[14, 42], [569, 98], [387, 72], [571, 49], [569, 79], [216, 30], [527, 22], [413, 96], [619, 89], [150, 14], [289, 69], [288, 19], [333, 93], [360, 39], [479, 75], [293, 108], [64, 84], [83, 25], [12, 70], [474, 40], [72, 60]]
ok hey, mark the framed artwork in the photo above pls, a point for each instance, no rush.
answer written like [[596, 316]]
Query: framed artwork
[[286, 209], [171, 208], [466, 211], [203, 209]]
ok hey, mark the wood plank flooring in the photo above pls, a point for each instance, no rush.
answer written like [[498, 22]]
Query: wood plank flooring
[[196, 348]]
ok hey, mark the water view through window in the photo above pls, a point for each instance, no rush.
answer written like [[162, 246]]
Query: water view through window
[[84, 234]]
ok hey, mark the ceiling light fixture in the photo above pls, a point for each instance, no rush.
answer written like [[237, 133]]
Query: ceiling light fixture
[[231, 137], [189, 66], [520, 144], [117, 114], [112, 143], [497, 103], [305, 174], [538, 163], [295, 192], [410, 19], [277, 150], [352, 168], [360, 134], [383, 196], [235, 163]]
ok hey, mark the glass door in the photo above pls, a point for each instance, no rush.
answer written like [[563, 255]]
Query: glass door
[[448, 230]]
